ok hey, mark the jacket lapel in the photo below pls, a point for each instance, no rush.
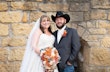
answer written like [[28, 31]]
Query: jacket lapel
[[56, 37]]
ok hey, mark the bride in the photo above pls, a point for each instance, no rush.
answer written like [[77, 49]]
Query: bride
[[39, 38]]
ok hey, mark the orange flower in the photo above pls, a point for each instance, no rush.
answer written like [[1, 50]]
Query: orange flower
[[50, 57], [64, 33]]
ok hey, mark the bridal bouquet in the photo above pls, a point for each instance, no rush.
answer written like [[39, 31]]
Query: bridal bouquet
[[50, 58]]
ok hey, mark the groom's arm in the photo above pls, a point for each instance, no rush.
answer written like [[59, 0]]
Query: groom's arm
[[75, 46]]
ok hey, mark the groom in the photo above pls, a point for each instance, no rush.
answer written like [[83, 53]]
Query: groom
[[66, 41]]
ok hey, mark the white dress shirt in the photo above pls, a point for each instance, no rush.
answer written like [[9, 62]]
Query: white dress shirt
[[60, 33]]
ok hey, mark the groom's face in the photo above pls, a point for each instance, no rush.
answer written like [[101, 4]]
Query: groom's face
[[60, 22]]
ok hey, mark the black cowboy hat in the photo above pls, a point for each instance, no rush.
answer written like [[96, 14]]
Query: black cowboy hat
[[60, 14]]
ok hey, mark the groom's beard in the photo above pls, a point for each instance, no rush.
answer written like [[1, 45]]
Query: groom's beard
[[60, 27]]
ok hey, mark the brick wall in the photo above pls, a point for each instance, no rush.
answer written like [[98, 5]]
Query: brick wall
[[91, 18]]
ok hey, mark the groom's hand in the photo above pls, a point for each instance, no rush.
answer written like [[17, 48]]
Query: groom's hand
[[68, 63]]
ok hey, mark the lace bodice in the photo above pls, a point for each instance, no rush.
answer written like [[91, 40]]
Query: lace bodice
[[46, 41]]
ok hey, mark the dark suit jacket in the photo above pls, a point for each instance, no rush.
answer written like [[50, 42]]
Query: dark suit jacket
[[68, 47]]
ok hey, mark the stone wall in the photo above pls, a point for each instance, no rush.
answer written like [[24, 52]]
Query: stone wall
[[89, 17]]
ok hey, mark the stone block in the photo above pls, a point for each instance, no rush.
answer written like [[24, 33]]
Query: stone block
[[79, 6], [92, 38], [21, 29], [91, 24], [16, 54], [108, 32], [80, 1], [86, 16], [35, 15], [98, 14], [100, 4], [10, 16], [53, 7], [51, 0], [39, 0], [24, 5], [30, 6], [3, 54], [17, 41], [100, 57], [76, 16], [3, 68], [8, 0], [99, 31], [5, 41], [4, 30], [17, 5], [94, 43], [10, 67], [103, 24], [3, 6], [109, 16], [16, 66], [25, 17], [105, 42]]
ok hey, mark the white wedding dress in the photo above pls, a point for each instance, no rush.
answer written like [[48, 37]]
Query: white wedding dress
[[34, 62]]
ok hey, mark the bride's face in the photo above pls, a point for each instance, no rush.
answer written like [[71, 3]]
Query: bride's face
[[45, 23]]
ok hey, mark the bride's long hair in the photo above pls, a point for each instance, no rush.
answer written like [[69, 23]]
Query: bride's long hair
[[42, 29]]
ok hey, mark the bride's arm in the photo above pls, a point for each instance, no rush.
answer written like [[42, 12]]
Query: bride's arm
[[35, 40]]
